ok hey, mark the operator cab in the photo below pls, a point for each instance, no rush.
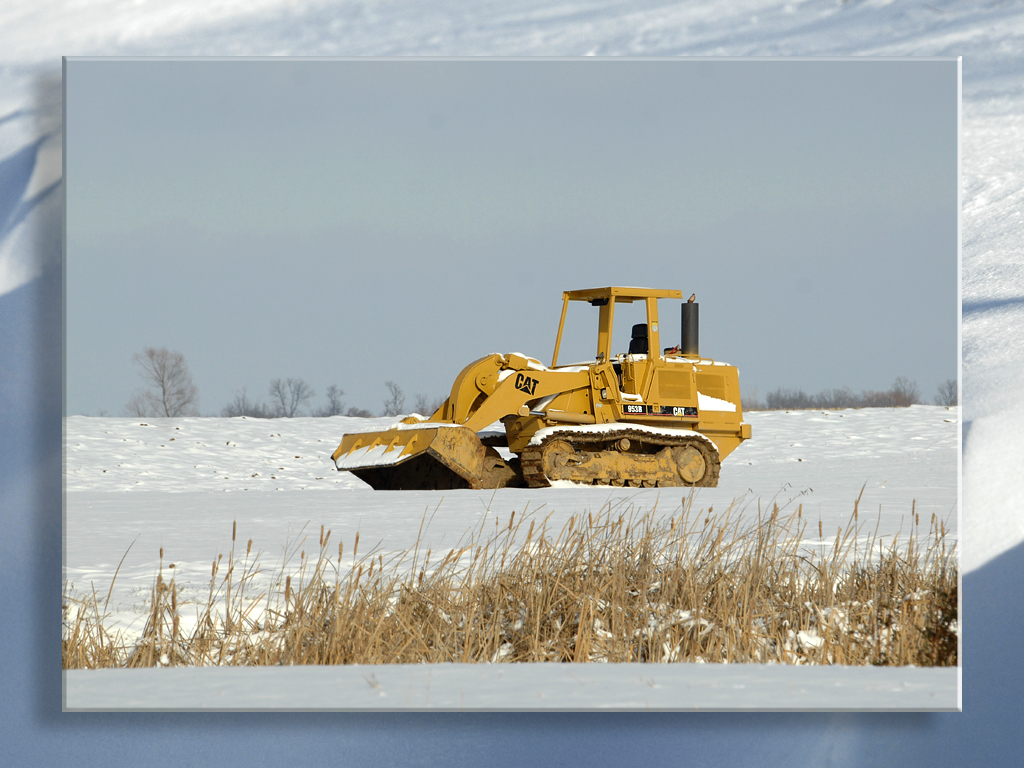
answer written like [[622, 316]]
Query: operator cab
[[644, 336]]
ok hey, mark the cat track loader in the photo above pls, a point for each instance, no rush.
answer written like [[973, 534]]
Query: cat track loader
[[637, 418]]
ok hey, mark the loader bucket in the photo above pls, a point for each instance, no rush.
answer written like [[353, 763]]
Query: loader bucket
[[428, 456]]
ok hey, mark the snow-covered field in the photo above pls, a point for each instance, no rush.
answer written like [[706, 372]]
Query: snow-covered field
[[241, 454], [135, 488]]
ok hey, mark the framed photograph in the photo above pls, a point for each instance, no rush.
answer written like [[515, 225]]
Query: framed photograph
[[385, 386]]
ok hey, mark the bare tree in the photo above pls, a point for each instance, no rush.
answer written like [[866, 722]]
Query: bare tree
[[360, 413], [243, 406], [948, 393], [751, 402], [784, 399], [289, 395], [426, 407], [836, 398], [395, 404], [170, 391], [335, 406], [905, 392], [870, 398]]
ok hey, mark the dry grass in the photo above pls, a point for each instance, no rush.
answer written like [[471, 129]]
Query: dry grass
[[617, 586]]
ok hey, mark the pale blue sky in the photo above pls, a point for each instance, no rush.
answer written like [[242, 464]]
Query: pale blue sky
[[352, 222]]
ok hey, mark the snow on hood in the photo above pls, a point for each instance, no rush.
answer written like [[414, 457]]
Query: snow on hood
[[708, 403]]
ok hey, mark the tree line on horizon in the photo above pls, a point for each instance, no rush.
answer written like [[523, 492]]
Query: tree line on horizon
[[169, 391], [901, 394], [289, 396]]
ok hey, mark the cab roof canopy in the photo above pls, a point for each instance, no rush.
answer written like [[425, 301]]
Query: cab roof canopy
[[619, 293], [606, 299]]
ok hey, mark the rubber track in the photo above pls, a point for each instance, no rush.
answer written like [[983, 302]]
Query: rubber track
[[532, 456]]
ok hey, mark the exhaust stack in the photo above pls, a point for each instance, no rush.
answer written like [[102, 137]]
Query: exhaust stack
[[691, 330]]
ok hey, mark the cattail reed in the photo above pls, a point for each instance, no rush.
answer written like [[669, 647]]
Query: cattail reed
[[618, 585]]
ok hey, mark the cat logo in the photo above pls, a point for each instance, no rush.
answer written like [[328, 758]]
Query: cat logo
[[526, 384]]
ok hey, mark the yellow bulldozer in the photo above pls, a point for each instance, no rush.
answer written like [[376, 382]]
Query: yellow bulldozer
[[636, 418]]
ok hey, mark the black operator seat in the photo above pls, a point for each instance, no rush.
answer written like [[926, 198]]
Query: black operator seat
[[638, 344]]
